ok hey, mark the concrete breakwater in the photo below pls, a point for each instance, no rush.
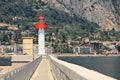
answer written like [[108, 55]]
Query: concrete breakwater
[[5, 56], [23, 72], [67, 71], [61, 70]]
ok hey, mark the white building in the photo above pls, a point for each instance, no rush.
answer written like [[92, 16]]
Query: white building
[[82, 50]]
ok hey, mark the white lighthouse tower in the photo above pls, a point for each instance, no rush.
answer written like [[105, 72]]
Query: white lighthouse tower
[[41, 26]]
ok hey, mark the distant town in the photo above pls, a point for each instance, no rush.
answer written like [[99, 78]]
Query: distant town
[[85, 46]]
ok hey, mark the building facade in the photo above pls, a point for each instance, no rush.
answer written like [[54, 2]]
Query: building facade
[[28, 45], [82, 50]]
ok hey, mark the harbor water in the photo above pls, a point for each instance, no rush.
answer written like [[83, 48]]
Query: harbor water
[[107, 65], [5, 61]]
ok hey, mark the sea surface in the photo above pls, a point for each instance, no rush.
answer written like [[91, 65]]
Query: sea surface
[[5, 61], [107, 65]]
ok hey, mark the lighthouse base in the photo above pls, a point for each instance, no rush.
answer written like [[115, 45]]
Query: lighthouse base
[[41, 42]]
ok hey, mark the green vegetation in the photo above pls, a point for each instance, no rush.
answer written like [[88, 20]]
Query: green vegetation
[[116, 4], [62, 27]]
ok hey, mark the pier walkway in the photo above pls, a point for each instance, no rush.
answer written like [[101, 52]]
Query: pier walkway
[[48, 67], [43, 72]]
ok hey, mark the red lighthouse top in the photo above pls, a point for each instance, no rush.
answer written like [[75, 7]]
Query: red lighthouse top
[[41, 17], [41, 24]]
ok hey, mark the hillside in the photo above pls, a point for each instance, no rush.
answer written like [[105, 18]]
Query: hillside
[[103, 12], [67, 20]]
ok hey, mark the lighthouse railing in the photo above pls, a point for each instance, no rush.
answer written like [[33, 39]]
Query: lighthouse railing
[[22, 73]]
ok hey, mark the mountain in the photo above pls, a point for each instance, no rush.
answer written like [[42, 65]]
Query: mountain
[[67, 19], [106, 13]]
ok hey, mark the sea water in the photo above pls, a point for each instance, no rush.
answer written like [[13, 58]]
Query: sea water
[[107, 65]]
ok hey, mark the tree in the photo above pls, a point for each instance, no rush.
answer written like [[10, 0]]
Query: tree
[[118, 48]]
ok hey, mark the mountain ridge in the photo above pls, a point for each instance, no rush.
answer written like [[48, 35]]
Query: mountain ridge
[[98, 11]]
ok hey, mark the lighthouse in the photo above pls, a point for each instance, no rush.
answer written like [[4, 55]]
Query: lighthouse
[[41, 26]]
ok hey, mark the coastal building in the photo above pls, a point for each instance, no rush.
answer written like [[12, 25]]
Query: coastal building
[[11, 49], [96, 44], [85, 40], [112, 49], [75, 43], [82, 50], [1, 50], [28, 45]]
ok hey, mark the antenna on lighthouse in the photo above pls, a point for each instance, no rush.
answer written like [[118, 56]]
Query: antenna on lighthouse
[[41, 26]]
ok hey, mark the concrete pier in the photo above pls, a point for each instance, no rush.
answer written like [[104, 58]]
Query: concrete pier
[[43, 72], [50, 68], [67, 71]]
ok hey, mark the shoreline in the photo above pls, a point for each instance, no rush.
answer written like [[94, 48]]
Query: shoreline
[[87, 55]]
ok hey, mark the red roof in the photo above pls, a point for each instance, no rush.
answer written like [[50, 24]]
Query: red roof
[[41, 17], [41, 25]]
